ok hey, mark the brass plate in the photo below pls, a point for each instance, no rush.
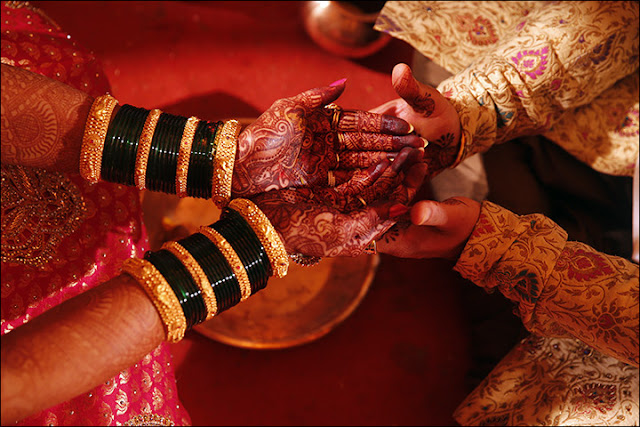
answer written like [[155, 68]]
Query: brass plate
[[299, 308]]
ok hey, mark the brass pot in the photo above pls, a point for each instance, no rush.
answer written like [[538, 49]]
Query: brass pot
[[344, 29]]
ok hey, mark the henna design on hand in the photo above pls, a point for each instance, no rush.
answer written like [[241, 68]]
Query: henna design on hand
[[292, 144], [423, 104], [312, 223], [42, 121], [316, 229], [363, 159], [394, 232], [441, 153]]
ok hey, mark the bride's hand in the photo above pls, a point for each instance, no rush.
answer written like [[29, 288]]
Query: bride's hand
[[297, 141]]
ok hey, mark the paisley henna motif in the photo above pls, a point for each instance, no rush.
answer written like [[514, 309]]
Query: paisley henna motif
[[292, 144], [331, 221], [317, 229]]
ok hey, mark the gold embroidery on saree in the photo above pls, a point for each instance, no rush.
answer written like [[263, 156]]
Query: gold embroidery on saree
[[149, 420], [39, 209]]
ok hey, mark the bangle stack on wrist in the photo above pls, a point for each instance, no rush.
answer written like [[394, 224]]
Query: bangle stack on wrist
[[159, 151], [202, 275]]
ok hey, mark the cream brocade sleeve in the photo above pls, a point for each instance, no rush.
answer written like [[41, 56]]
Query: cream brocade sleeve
[[561, 288], [566, 70]]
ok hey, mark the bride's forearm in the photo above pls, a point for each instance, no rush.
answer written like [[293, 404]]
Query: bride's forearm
[[76, 346]]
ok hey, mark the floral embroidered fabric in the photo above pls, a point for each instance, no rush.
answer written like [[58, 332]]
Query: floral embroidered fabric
[[554, 381], [566, 70], [563, 290]]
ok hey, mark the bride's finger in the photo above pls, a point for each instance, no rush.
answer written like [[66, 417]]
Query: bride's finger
[[362, 141]]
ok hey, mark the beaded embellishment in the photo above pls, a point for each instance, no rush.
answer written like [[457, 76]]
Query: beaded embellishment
[[39, 209]]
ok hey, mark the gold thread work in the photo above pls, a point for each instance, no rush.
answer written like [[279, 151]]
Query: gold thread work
[[144, 148], [226, 145], [95, 132], [30, 234], [198, 275], [183, 156], [161, 294]]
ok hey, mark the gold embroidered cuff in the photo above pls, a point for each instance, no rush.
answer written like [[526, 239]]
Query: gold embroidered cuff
[[95, 132], [267, 234], [161, 294], [144, 147], [183, 156], [226, 144], [232, 258], [198, 275]]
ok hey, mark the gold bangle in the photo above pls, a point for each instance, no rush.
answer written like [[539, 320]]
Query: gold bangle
[[144, 147], [266, 233], [335, 117], [463, 144], [223, 163], [232, 258], [95, 132], [161, 294], [198, 275], [183, 156], [331, 178]]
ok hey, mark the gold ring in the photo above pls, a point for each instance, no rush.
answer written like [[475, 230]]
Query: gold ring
[[371, 248], [362, 200], [331, 179], [335, 118]]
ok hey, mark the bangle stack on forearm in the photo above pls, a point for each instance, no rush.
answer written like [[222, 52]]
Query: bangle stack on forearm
[[200, 276], [159, 151]]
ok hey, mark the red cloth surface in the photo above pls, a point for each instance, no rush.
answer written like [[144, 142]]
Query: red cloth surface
[[402, 356]]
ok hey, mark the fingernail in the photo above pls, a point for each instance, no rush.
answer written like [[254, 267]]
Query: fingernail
[[424, 142], [338, 82], [397, 210], [374, 170], [426, 214], [411, 128]]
